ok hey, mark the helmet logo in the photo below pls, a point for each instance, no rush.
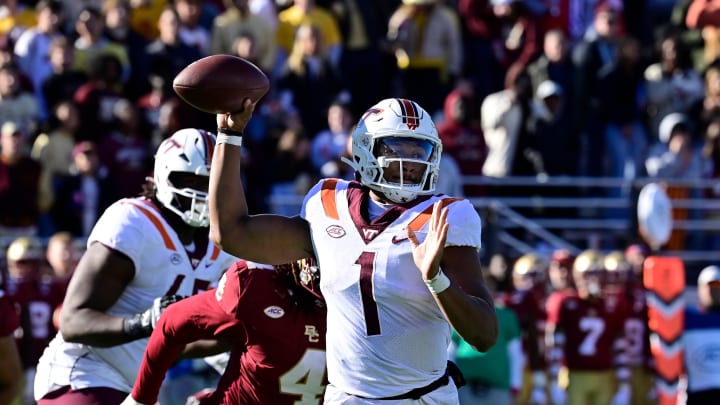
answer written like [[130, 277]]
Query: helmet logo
[[409, 114], [371, 111], [335, 231]]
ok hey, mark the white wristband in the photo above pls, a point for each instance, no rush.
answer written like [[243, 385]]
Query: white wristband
[[439, 283], [228, 139]]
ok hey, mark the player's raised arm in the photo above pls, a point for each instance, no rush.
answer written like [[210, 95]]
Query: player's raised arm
[[272, 239], [468, 305]]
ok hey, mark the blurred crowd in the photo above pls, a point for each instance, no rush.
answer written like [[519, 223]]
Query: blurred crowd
[[607, 88], [611, 88]]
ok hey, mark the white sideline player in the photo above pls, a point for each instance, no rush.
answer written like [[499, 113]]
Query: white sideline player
[[142, 255], [400, 266]]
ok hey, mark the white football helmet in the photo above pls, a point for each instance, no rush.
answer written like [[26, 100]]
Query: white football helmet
[[389, 122], [187, 151]]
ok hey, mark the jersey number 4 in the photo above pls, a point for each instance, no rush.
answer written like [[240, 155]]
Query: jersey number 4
[[306, 378]]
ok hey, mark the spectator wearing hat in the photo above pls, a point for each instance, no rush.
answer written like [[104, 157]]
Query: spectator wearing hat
[[37, 293], [555, 147], [674, 155], [83, 194], [25, 191], [700, 340]]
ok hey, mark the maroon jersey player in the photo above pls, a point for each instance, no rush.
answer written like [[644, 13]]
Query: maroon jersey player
[[624, 283], [276, 329], [10, 366], [585, 334], [37, 294], [529, 278]]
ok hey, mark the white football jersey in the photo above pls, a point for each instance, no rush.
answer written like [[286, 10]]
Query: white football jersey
[[385, 333], [135, 228]]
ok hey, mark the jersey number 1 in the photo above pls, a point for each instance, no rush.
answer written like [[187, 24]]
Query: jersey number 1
[[370, 310]]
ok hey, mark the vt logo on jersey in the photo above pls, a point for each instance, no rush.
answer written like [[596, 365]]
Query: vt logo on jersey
[[370, 234]]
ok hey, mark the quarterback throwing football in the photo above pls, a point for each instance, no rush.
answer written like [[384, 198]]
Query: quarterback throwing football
[[400, 266]]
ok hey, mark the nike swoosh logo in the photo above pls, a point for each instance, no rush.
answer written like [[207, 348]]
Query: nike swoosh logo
[[396, 240]]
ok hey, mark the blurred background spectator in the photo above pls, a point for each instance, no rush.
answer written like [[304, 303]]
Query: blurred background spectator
[[37, 293], [25, 190]]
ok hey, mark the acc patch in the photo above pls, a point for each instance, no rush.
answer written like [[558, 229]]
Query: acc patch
[[335, 231], [175, 259], [274, 312]]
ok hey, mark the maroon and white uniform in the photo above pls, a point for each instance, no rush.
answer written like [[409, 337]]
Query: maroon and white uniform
[[590, 328], [36, 299], [529, 307], [278, 354], [636, 330]]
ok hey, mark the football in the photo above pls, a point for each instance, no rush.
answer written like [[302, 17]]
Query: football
[[220, 83]]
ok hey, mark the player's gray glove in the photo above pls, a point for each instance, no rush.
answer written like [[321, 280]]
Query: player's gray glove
[[141, 325]]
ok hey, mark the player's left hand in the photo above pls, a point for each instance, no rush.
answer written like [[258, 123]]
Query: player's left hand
[[237, 120], [427, 255]]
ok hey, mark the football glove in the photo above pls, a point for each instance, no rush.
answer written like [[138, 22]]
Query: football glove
[[141, 325]]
